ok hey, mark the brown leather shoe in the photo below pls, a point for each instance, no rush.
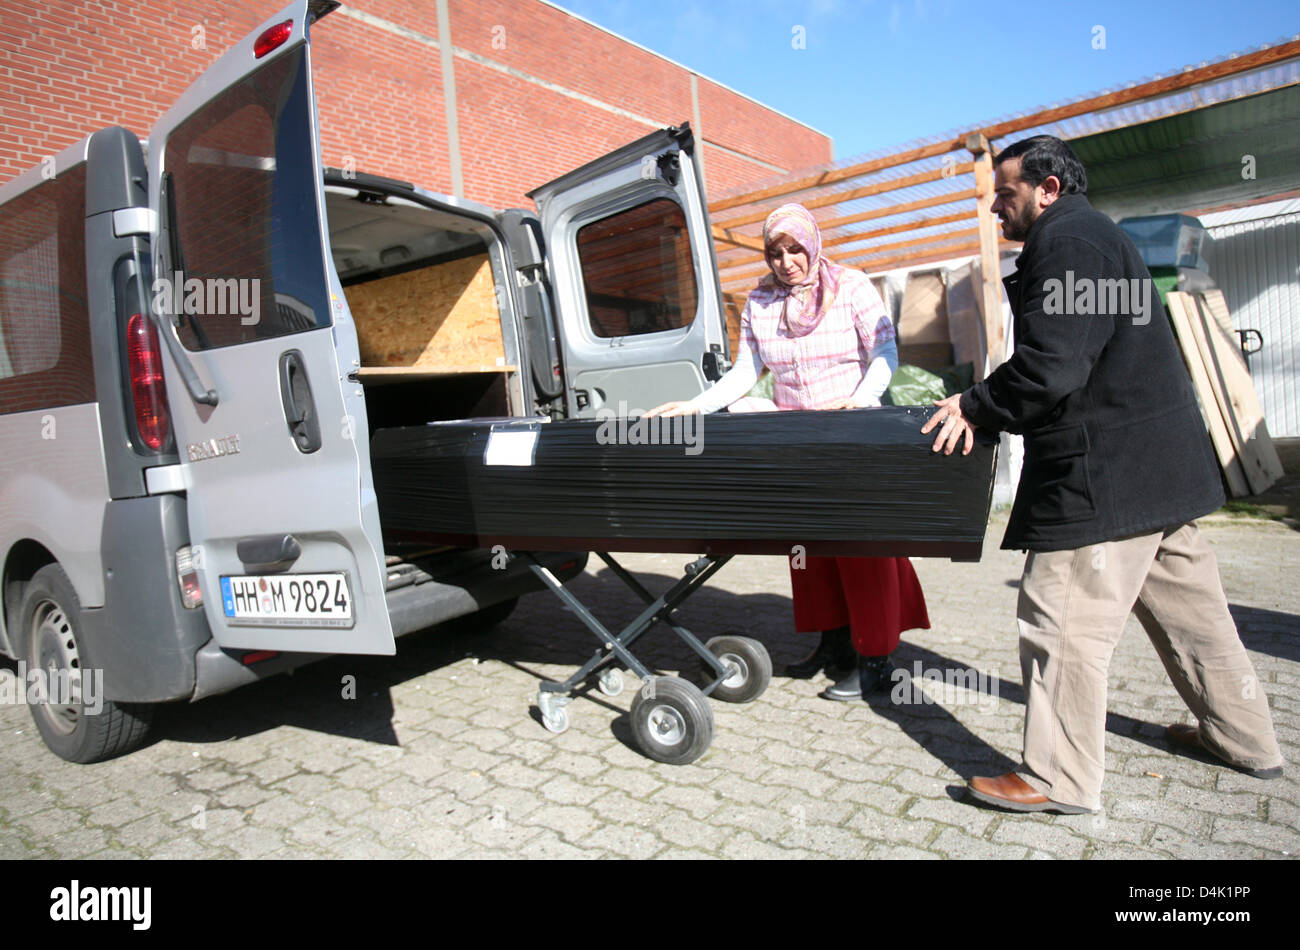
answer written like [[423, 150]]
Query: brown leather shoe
[[1186, 737], [1012, 792]]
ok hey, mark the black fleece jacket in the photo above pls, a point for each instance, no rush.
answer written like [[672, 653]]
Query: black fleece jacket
[[1115, 445]]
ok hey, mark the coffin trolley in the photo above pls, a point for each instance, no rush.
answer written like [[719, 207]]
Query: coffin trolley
[[851, 483], [671, 719]]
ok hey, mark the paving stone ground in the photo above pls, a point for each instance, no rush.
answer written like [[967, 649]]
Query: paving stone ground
[[441, 753]]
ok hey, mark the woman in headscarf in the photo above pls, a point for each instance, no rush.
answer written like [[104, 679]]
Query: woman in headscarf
[[823, 332]]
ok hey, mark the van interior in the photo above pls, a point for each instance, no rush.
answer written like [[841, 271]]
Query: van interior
[[421, 285]]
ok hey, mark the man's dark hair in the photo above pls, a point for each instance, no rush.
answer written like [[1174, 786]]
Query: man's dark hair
[[1043, 155]]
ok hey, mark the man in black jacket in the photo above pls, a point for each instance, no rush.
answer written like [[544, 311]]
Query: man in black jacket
[[1117, 467]]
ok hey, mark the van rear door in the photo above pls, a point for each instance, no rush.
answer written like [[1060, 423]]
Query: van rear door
[[634, 277], [271, 432]]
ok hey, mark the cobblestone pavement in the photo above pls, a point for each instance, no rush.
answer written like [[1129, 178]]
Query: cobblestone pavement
[[442, 755]]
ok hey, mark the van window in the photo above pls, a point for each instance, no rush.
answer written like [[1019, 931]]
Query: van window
[[45, 358], [638, 271], [240, 177]]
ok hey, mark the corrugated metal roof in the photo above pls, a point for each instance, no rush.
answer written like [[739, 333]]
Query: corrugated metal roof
[[1228, 152], [1263, 104], [1197, 97], [1269, 209]]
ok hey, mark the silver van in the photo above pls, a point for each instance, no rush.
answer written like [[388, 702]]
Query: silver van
[[198, 338]]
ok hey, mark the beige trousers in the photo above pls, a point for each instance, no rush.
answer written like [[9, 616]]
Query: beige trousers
[[1072, 610]]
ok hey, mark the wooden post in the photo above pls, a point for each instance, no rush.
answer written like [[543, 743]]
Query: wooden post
[[990, 282]]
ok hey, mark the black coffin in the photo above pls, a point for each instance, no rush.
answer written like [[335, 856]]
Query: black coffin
[[847, 482]]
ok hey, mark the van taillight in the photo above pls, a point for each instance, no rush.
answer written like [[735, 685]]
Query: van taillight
[[187, 575], [272, 38], [148, 393]]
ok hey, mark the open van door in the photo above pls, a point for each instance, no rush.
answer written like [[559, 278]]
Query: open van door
[[635, 277], [270, 431]]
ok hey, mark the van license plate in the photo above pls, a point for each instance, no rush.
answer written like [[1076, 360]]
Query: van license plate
[[287, 600]]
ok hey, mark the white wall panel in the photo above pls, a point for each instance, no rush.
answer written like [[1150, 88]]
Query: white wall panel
[[1257, 265]]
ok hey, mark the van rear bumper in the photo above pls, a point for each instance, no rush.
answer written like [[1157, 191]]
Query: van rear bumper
[[475, 586], [143, 638]]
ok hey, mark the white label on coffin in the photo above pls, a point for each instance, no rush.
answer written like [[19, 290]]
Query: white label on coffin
[[510, 448]]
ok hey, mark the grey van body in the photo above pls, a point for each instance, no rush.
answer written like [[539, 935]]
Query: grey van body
[[255, 474]]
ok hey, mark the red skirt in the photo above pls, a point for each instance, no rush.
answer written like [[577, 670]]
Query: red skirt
[[877, 598]]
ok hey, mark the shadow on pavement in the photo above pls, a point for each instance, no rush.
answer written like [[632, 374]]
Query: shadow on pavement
[[973, 756], [315, 698], [544, 633], [320, 697], [1268, 631]]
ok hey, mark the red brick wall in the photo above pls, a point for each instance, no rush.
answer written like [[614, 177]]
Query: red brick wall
[[390, 119], [729, 119], [570, 93]]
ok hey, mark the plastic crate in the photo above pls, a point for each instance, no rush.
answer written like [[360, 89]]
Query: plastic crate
[[1168, 240]]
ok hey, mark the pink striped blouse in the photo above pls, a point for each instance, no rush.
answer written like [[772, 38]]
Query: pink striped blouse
[[810, 371]]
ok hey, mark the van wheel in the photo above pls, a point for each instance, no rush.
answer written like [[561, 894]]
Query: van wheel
[[54, 646]]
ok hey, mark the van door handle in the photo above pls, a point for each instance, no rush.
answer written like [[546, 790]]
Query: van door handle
[[714, 364], [299, 407], [268, 553]]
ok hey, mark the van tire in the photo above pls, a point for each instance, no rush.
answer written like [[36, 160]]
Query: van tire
[[53, 636]]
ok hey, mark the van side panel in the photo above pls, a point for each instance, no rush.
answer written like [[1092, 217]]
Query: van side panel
[[144, 639], [53, 485], [53, 488]]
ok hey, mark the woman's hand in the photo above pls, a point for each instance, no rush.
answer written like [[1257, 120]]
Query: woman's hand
[[682, 408]]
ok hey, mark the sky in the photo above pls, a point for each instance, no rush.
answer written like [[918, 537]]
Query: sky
[[873, 74]]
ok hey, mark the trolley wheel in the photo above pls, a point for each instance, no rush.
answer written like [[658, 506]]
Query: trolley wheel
[[671, 720], [750, 664], [611, 682], [555, 717], [557, 721]]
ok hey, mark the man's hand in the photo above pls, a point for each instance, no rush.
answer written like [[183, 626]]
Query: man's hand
[[669, 409], [952, 425]]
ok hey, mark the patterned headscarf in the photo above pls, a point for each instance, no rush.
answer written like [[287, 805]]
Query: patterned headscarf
[[806, 303]]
